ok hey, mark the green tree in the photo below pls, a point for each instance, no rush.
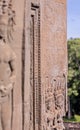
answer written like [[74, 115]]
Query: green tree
[[74, 74]]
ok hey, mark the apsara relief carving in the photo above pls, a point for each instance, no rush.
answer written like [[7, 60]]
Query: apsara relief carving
[[54, 102], [7, 64]]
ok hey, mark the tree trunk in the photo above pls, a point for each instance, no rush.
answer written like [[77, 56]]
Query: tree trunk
[[69, 108]]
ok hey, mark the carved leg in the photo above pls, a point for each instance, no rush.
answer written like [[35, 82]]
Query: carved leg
[[6, 115]]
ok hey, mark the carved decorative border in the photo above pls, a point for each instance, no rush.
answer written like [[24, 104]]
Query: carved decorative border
[[35, 67]]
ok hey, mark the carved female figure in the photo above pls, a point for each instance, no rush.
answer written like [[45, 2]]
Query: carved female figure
[[7, 80], [7, 64]]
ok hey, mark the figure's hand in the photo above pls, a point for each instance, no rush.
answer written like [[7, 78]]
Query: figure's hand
[[9, 86], [3, 90], [13, 78], [6, 89]]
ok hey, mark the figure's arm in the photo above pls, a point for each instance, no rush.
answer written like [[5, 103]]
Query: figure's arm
[[13, 69]]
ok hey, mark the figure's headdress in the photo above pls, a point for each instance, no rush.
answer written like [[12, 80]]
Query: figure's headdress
[[7, 15]]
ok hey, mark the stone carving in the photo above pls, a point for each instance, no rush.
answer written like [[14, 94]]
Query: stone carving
[[7, 64], [54, 103], [35, 97], [7, 16]]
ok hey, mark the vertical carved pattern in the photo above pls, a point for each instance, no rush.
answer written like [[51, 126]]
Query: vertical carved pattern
[[35, 69]]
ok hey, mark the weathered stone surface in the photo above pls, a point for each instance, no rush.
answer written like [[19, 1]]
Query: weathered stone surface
[[11, 104], [53, 63], [35, 35]]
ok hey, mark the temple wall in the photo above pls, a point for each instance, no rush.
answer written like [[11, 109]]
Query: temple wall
[[53, 37], [53, 61], [38, 100], [53, 51]]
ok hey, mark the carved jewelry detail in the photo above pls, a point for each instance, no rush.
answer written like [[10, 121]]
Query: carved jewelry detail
[[7, 16]]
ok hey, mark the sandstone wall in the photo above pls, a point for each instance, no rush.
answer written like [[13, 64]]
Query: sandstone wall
[[52, 76], [39, 42], [17, 44], [53, 51]]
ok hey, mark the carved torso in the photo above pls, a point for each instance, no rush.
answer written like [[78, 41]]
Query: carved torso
[[5, 58]]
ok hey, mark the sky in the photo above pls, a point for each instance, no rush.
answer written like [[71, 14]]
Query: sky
[[73, 19]]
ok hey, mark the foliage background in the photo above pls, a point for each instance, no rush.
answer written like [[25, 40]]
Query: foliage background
[[74, 75]]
